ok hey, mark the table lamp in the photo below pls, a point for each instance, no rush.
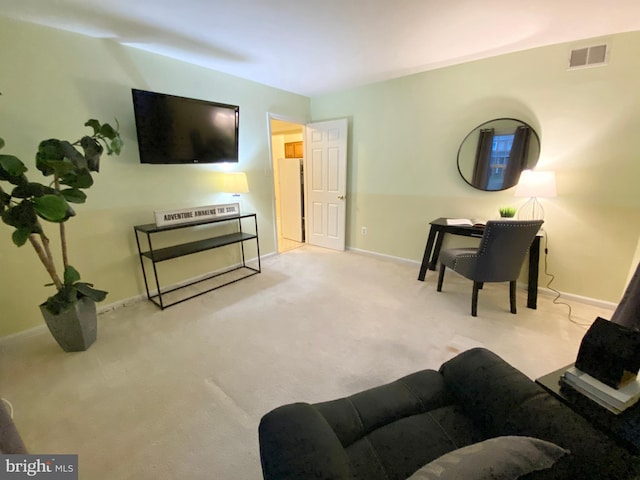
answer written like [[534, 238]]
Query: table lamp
[[535, 184], [235, 183]]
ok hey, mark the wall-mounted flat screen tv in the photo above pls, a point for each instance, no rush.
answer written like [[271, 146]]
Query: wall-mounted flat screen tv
[[174, 129]]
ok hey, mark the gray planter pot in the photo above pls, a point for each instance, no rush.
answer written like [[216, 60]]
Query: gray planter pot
[[76, 329]]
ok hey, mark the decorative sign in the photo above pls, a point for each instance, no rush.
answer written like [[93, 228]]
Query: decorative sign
[[196, 214]]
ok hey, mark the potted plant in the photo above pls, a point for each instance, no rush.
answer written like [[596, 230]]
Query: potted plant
[[507, 212], [26, 206]]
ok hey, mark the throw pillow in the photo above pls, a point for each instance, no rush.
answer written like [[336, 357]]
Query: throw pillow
[[501, 458]]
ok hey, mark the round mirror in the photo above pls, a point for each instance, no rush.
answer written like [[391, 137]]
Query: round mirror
[[493, 154]]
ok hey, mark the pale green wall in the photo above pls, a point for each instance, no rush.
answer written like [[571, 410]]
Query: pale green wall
[[51, 83], [404, 138], [405, 134]]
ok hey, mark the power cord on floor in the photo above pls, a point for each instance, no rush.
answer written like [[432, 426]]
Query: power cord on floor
[[558, 294], [8, 403]]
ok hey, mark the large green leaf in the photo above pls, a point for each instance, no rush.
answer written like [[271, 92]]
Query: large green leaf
[[12, 165], [59, 167], [5, 198], [116, 145], [22, 215], [14, 180], [51, 149], [50, 157], [12, 170], [73, 155], [66, 297], [31, 189], [78, 179], [93, 293], [95, 124], [62, 300], [51, 207], [92, 151], [20, 236], [71, 275], [74, 195], [69, 213], [108, 131]]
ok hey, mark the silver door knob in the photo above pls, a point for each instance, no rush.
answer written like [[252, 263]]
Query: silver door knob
[[341, 197]]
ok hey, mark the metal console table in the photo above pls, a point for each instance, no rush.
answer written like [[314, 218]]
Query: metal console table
[[155, 256]]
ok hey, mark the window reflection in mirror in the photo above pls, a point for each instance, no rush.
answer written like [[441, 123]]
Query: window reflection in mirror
[[492, 155]]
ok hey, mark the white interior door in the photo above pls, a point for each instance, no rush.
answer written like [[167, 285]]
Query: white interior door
[[290, 188], [326, 183]]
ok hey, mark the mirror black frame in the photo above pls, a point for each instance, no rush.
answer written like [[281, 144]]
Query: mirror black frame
[[528, 156]]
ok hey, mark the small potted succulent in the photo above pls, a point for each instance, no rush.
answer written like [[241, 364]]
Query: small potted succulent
[[27, 206], [507, 212]]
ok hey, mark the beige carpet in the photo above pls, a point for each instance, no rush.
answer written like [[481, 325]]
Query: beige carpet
[[178, 394]]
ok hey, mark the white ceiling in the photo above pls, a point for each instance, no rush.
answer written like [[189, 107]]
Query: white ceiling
[[317, 47]]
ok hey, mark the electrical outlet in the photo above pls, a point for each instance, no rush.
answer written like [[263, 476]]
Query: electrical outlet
[[364, 230]]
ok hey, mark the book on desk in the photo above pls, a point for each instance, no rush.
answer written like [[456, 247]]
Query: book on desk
[[466, 222], [614, 400]]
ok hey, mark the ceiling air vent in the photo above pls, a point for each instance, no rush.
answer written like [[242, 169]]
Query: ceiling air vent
[[589, 56]]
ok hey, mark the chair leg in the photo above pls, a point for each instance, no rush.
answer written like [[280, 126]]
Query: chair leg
[[441, 276], [481, 285], [474, 299], [512, 296]]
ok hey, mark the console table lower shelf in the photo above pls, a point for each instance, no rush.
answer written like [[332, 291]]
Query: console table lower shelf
[[154, 256]]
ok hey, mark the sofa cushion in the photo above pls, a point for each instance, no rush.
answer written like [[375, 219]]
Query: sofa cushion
[[396, 450], [500, 458], [358, 415], [384, 429]]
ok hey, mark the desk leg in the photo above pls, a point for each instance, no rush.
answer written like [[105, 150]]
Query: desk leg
[[427, 254], [436, 251], [534, 264]]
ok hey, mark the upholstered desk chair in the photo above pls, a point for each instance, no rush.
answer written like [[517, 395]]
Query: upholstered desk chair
[[499, 257]]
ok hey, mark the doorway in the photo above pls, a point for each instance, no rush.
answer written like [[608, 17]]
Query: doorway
[[287, 148]]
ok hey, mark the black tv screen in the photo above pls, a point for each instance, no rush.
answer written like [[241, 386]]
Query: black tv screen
[[174, 129]]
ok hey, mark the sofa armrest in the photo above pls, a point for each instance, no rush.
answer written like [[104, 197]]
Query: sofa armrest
[[501, 400], [487, 388], [297, 442]]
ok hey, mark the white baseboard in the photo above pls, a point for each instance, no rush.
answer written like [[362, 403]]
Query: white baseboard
[[383, 255], [137, 298], [541, 290], [23, 334], [100, 309], [126, 302], [578, 298]]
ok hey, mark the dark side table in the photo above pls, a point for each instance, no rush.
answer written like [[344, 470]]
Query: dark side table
[[623, 428]]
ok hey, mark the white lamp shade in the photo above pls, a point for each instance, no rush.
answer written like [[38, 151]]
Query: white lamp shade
[[235, 182], [534, 183]]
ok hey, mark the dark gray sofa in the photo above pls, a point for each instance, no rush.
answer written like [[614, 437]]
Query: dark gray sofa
[[389, 432]]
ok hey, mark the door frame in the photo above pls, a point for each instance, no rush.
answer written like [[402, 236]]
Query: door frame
[[270, 167]]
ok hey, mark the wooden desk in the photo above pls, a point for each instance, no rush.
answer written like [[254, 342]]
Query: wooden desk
[[437, 232]]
